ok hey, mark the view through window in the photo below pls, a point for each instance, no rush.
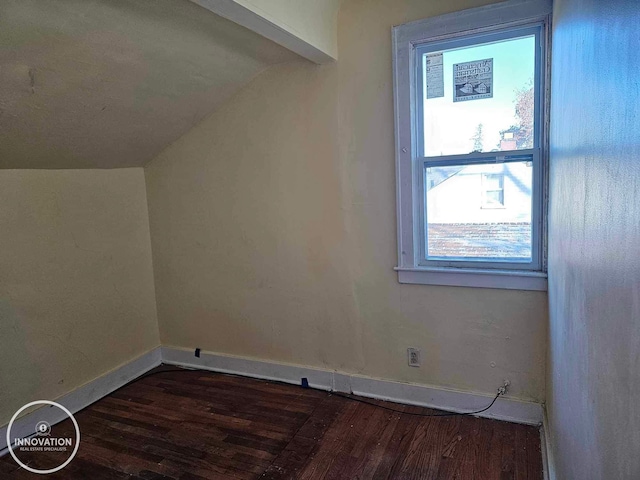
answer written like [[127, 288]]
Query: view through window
[[477, 133]]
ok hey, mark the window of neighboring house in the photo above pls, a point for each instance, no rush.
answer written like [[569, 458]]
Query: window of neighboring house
[[470, 123], [492, 190]]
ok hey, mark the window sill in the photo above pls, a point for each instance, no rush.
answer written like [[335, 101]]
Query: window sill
[[466, 277]]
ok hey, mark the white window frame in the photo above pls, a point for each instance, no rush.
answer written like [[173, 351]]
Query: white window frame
[[407, 39]]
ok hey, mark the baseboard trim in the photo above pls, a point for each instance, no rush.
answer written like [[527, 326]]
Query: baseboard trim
[[507, 409], [545, 446], [82, 396]]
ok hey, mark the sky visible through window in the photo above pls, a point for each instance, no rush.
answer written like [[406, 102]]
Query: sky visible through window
[[450, 127]]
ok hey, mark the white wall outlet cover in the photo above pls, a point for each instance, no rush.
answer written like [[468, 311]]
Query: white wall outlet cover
[[413, 355]]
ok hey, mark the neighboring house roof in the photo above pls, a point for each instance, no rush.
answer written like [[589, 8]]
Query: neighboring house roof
[[480, 239], [437, 175]]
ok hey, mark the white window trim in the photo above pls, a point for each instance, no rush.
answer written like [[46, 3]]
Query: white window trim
[[512, 13]]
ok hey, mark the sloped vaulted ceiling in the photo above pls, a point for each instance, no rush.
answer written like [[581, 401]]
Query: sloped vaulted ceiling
[[110, 83]]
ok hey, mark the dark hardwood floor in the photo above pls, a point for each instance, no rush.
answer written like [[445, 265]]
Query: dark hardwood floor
[[199, 425]]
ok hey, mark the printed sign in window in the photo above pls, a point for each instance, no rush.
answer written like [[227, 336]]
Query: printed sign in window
[[434, 75], [473, 80]]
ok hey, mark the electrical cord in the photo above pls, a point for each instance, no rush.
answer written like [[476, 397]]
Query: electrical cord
[[337, 394], [446, 414], [501, 391]]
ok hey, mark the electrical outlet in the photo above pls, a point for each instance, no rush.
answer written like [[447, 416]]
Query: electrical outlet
[[413, 355], [505, 386]]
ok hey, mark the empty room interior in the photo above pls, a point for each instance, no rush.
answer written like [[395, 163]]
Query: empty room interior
[[320, 239]]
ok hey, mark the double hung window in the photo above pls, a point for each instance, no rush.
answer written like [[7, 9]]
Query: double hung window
[[470, 94]]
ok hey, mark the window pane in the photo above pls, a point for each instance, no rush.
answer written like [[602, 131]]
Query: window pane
[[458, 223], [479, 98], [494, 197], [493, 181]]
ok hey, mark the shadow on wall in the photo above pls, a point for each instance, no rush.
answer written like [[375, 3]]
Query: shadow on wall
[[15, 354]]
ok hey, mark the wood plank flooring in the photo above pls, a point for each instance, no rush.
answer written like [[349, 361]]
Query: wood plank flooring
[[193, 425]]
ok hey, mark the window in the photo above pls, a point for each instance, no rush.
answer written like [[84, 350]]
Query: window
[[471, 146], [492, 190]]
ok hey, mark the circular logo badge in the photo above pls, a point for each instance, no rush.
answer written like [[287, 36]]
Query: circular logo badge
[[42, 440]]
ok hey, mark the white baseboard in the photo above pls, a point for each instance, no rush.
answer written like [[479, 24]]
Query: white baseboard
[[82, 397], [508, 409], [547, 451]]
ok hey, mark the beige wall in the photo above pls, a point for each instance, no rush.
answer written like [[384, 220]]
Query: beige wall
[[274, 232], [314, 21], [76, 282]]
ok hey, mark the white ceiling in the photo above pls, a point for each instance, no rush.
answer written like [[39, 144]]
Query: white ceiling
[[110, 83]]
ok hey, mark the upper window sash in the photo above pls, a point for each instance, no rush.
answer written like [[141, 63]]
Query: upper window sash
[[506, 33]]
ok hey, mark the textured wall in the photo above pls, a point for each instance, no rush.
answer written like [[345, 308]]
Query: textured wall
[[76, 280], [274, 232], [593, 383]]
